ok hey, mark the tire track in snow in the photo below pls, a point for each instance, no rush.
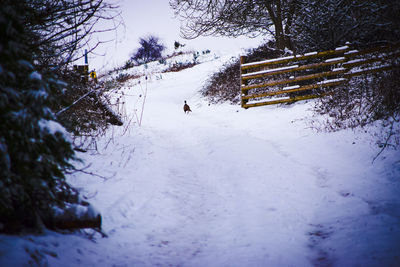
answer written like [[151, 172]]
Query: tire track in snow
[[211, 217], [222, 202]]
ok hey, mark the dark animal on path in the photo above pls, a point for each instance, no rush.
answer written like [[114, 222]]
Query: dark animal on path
[[186, 108]]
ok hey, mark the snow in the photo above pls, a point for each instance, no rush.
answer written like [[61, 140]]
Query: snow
[[35, 76], [354, 61], [291, 87], [267, 61], [54, 127], [270, 70], [369, 69], [351, 52], [335, 59], [311, 53], [256, 101], [338, 69], [342, 48], [78, 211], [332, 81], [225, 186]]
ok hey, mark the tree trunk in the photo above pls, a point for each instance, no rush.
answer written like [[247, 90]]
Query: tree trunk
[[289, 22], [275, 12]]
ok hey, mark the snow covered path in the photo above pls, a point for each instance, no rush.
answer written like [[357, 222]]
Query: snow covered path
[[223, 186], [201, 190]]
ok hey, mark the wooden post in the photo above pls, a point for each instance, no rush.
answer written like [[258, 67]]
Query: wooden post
[[243, 82]]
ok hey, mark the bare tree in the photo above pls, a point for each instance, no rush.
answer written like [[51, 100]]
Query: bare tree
[[66, 27], [150, 49], [235, 18], [327, 24], [61, 30]]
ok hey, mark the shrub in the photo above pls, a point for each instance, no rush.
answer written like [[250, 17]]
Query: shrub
[[178, 66], [363, 101], [224, 85]]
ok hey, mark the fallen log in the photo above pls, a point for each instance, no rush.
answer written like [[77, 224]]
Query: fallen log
[[74, 216]]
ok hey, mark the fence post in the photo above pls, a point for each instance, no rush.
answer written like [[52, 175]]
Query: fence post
[[242, 82]]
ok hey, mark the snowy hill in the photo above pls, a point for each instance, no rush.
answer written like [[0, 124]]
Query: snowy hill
[[224, 186]]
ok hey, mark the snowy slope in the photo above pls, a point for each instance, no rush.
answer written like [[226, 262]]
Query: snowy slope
[[223, 186]]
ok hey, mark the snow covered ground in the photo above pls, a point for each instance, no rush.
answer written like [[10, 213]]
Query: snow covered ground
[[224, 186]]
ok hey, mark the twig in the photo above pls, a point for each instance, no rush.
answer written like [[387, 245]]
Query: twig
[[91, 173], [386, 143], [78, 170], [144, 101], [98, 175], [127, 127], [76, 101]]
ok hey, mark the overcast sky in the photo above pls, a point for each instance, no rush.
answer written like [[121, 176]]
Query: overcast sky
[[145, 17]]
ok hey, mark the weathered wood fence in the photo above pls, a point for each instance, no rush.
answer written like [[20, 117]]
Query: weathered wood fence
[[301, 77]]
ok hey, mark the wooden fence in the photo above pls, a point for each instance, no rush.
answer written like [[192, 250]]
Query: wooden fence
[[301, 77]]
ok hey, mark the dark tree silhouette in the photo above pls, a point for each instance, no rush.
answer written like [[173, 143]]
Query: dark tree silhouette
[[235, 18], [150, 49], [327, 24]]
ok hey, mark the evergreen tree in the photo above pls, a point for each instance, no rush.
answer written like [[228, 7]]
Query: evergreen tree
[[34, 149]]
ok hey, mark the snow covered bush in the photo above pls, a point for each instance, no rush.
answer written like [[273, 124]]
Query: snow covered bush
[[224, 84], [84, 108], [34, 149], [38, 91]]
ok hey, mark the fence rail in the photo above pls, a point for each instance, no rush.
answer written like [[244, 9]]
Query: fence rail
[[299, 77]]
